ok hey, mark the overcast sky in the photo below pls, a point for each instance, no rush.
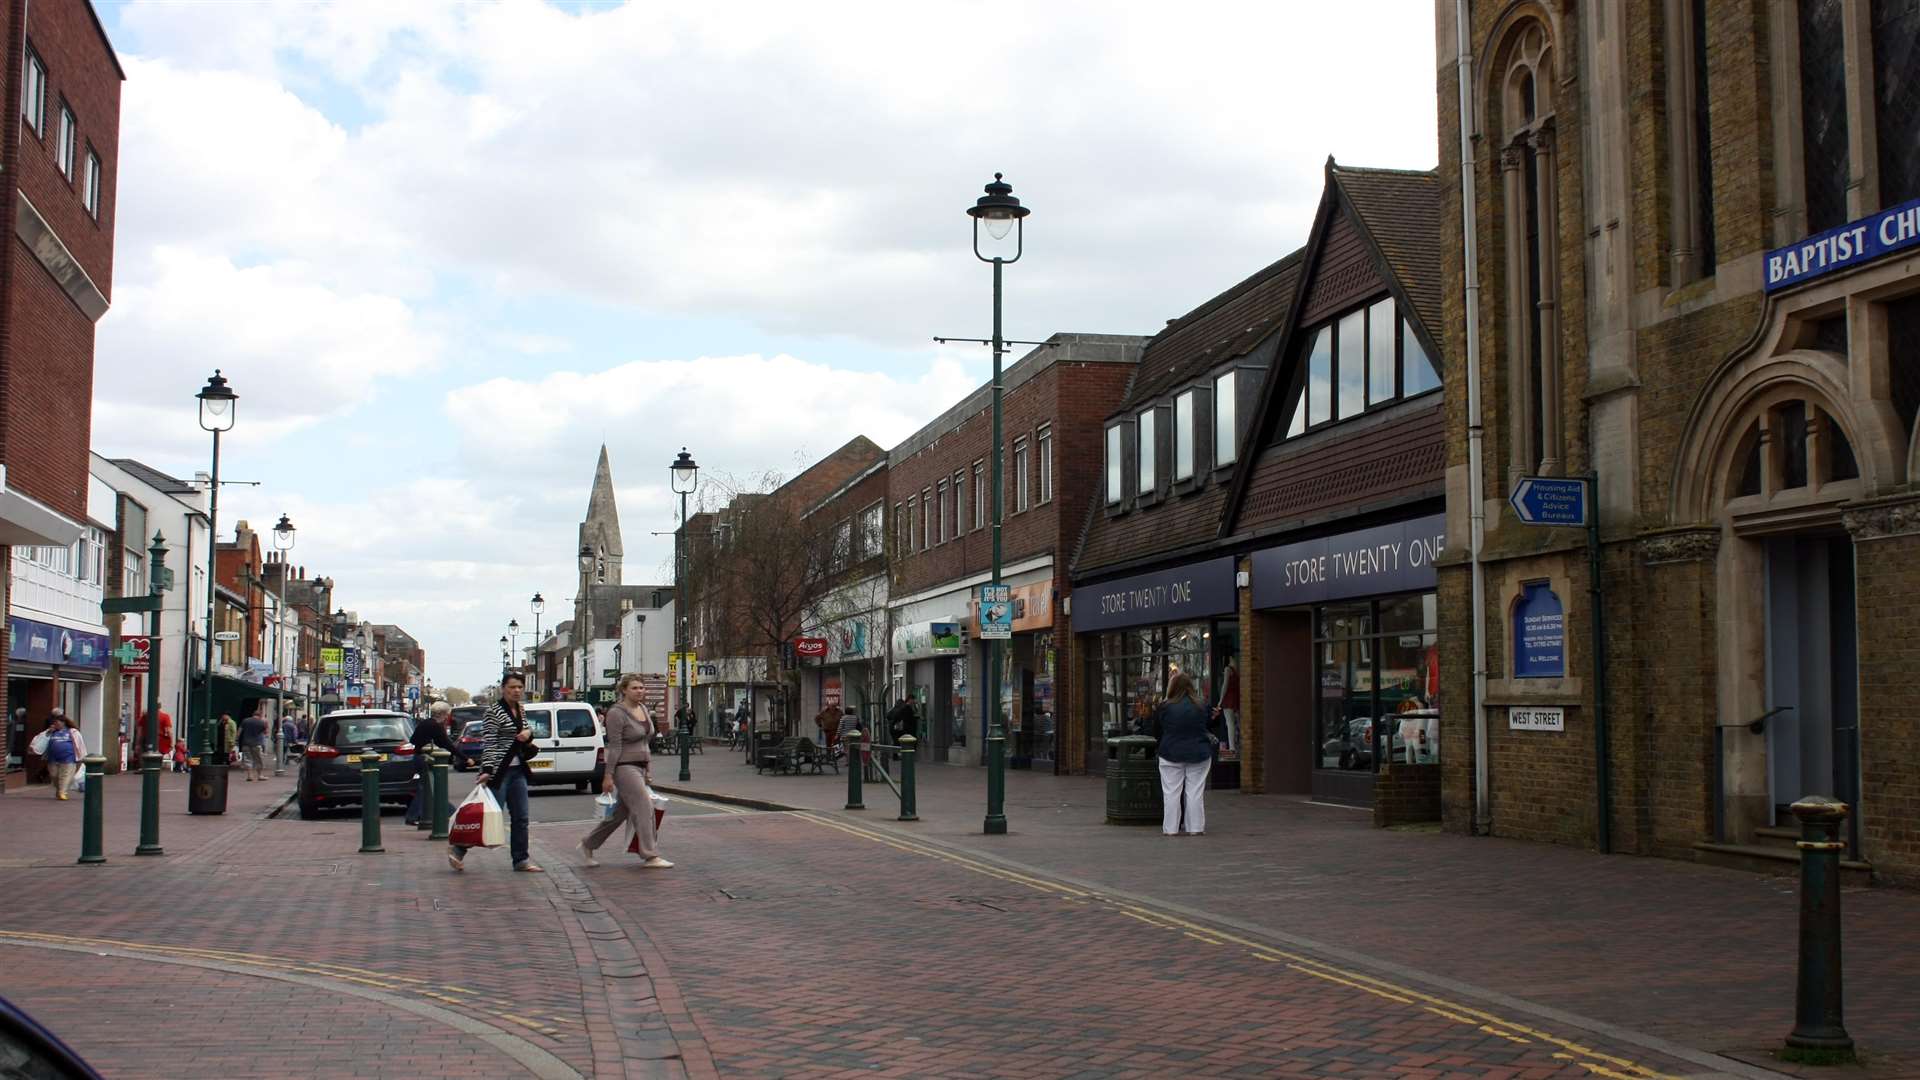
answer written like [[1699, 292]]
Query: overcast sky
[[444, 251]]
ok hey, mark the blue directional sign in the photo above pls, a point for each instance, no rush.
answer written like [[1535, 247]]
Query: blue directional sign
[[1550, 500], [413, 693]]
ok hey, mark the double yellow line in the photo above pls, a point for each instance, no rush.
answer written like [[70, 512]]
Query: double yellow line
[[1594, 1061]]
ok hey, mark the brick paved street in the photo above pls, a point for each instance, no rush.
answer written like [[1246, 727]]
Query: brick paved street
[[825, 944]]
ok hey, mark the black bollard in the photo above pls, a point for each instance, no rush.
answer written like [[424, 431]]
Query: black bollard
[[440, 759], [853, 772], [1819, 1034], [370, 804], [94, 767], [909, 802]]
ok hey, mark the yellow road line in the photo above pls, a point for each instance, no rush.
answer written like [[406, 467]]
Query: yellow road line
[[1464, 1014]]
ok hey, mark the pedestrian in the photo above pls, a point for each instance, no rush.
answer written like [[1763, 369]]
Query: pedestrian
[[1186, 729], [429, 733], [289, 737], [230, 736], [164, 739], [60, 744], [503, 766], [253, 744], [901, 719], [629, 775]]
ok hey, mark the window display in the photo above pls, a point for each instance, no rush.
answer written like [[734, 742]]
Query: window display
[[1378, 683], [1136, 665]]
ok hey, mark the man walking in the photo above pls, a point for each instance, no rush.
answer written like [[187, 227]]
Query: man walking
[[503, 766], [253, 743]]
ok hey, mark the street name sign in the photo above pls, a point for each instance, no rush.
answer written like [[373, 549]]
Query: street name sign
[[1550, 500], [1536, 718]]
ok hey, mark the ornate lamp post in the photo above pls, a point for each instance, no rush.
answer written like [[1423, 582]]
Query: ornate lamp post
[[513, 652], [539, 605], [157, 575], [686, 477], [283, 543], [1001, 213], [218, 403], [506, 656]]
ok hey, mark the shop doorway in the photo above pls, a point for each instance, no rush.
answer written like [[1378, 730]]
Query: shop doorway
[[1812, 672]]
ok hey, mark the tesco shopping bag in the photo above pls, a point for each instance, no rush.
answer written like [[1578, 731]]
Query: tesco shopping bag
[[478, 822], [659, 815]]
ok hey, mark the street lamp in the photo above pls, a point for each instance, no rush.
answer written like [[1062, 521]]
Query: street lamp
[[513, 631], [218, 403], [539, 605], [685, 475], [283, 543], [157, 574], [1001, 213], [504, 654]]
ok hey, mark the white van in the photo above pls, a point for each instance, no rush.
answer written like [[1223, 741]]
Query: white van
[[572, 743]]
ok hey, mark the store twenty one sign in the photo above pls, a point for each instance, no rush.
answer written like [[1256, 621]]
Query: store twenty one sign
[[1384, 559], [1194, 591], [1844, 246]]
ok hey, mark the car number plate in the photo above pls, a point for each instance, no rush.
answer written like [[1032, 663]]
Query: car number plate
[[539, 763], [353, 759]]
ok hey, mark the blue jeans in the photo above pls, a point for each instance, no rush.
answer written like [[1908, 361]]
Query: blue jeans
[[511, 790]]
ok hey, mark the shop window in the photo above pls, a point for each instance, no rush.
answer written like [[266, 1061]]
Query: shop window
[[1148, 449], [1896, 97], [1183, 436], [1823, 112], [1136, 665], [1226, 441], [1115, 467], [1365, 358], [1378, 682]]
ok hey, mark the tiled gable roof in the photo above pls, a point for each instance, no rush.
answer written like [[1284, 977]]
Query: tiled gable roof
[[1228, 325], [154, 478], [1400, 210]]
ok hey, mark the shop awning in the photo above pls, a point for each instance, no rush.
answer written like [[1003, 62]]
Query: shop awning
[[27, 522], [232, 696]]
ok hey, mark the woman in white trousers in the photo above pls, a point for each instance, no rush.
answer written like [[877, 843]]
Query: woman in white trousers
[[1184, 725]]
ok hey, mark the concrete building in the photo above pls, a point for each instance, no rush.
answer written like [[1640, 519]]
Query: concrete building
[[938, 486], [61, 160], [1695, 280]]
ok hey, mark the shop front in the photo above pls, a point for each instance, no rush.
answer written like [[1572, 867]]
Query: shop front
[[1138, 632], [1027, 689], [1351, 649], [851, 675], [930, 665], [48, 667]]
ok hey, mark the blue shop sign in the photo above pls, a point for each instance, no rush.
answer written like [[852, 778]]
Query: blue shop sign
[[1194, 591], [1370, 562], [1539, 634], [1844, 246], [45, 643]]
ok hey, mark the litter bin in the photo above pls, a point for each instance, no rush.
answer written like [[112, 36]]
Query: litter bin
[[206, 788], [1133, 781]]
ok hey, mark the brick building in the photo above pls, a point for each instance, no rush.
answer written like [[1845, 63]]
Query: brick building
[[849, 622], [60, 159], [1695, 227], [1271, 505], [940, 496]]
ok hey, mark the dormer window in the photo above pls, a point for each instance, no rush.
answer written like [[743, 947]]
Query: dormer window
[[1183, 436], [1116, 472], [1363, 359], [1226, 437]]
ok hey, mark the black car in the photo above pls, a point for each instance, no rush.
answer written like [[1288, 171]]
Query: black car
[[468, 744], [29, 1050], [330, 769]]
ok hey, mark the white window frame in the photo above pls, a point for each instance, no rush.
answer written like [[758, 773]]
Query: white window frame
[[1183, 436], [1044, 460], [873, 530], [981, 510], [960, 504], [66, 143], [134, 566], [941, 513], [1146, 434], [1116, 468], [1226, 436], [1021, 474], [33, 93], [926, 518], [90, 184]]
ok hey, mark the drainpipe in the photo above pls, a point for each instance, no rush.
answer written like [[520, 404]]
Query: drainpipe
[[1476, 429]]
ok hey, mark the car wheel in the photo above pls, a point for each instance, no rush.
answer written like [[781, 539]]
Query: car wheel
[[580, 785], [309, 809]]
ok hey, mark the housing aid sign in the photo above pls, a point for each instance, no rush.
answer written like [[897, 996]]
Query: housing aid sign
[[1844, 246], [1384, 559]]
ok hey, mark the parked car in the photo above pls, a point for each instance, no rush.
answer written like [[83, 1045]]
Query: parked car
[[29, 1050], [572, 743], [469, 742], [330, 769]]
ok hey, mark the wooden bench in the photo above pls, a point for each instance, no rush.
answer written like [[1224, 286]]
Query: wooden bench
[[783, 756]]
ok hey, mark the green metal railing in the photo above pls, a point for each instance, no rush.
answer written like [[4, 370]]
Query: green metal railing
[[866, 758]]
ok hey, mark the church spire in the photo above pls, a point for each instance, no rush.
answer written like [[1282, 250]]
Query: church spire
[[601, 529]]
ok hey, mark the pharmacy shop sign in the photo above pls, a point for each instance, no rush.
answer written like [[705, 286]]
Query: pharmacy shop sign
[[1370, 562]]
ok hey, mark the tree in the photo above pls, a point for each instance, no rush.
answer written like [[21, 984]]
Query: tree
[[456, 696]]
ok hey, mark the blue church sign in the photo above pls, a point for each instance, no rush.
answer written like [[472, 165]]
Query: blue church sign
[[1844, 246], [1539, 634]]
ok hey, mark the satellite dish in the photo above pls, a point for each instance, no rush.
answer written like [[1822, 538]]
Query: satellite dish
[[227, 635]]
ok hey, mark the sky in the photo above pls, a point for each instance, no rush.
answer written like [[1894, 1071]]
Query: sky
[[444, 251]]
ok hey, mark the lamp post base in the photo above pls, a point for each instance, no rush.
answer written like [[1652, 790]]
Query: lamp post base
[[996, 822], [149, 805]]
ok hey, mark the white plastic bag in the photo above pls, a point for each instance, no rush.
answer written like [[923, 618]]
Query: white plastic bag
[[604, 805], [79, 781], [478, 822]]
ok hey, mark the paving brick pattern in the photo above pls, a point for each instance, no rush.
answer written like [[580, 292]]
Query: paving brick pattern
[[804, 951]]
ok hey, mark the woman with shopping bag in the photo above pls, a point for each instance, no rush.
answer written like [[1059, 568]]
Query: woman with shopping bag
[[629, 773], [504, 774]]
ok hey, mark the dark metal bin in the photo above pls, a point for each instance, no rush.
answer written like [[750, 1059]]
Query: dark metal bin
[[1133, 781]]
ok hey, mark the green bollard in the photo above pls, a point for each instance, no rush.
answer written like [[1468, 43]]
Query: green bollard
[[370, 804], [149, 803], [95, 767], [908, 810], [1819, 1033], [853, 772], [440, 815]]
